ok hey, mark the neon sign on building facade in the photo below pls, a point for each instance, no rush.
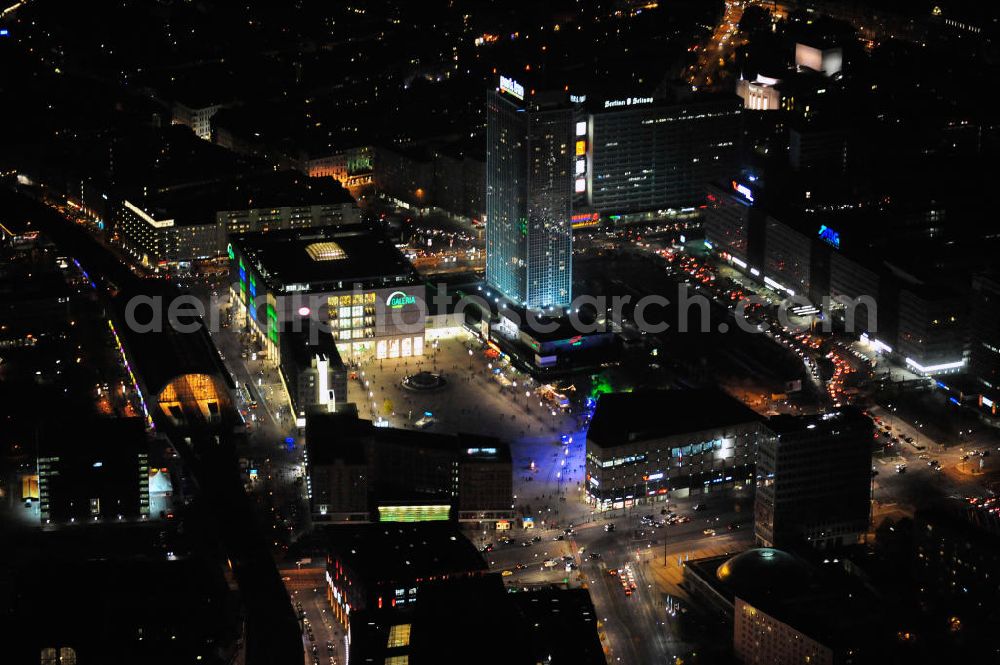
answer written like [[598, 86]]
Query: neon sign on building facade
[[511, 87], [829, 236], [398, 299]]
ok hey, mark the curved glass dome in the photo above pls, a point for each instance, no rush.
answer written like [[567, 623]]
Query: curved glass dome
[[762, 570], [325, 251]]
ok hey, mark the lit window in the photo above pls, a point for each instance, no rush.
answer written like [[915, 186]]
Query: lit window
[[399, 636]]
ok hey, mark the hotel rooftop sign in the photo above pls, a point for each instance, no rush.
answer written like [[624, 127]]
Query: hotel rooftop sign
[[628, 101], [511, 87]]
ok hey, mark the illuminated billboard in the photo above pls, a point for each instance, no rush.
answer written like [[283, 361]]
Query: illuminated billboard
[[744, 190], [829, 236], [429, 513], [585, 219], [511, 87]]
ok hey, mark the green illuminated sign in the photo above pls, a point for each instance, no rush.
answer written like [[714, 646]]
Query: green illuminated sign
[[359, 164], [229, 251], [413, 513], [399, 299]]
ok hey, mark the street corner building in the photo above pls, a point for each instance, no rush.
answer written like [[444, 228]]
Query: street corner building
[[814, 480], [646, 445], [360, 473], [353, 282]]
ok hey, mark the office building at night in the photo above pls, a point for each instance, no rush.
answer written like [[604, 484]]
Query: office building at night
[[889, 300], [530, 149], [644, 445], [445, 626], [313, 372], [359, 472], [105, 480], [184, 225], [932, 329], [646, 154], [347, 279], [783, 609], [378, 566], [814, 480], [196, 114], [727, 222], [548, 625], [119, 600], [984, 357]]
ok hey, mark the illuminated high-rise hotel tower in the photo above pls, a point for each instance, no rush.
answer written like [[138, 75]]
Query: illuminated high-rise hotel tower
[[529, 192]]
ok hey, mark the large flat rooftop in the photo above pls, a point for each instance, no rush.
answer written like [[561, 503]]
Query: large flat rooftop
[[622, 418], [848, 419], [324, 258], [340, 437], [393, 551], [199, 203]]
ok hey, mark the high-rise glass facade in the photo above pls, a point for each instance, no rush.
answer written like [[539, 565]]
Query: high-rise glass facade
[[529, 162]]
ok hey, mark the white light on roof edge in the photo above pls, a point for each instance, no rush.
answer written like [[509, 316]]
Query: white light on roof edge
[[934, 368]]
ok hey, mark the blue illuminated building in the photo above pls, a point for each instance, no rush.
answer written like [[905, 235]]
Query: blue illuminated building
[[529, 161]]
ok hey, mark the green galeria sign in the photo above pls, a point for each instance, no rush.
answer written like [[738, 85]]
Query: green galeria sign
[[398, 299]]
